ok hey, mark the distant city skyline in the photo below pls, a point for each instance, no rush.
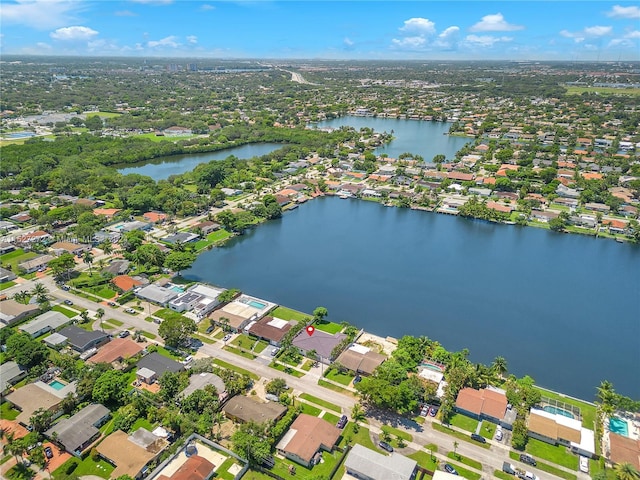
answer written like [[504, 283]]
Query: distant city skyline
[[357, 30]]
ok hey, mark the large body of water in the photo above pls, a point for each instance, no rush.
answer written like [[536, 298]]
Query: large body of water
[[418, 137], [564, 309], [163, 168]]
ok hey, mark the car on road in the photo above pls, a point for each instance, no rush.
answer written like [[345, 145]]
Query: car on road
[[584, 464], [528, 459], [478, 438], [449, 469], [342, 422], [112, 304], [68, 302], [129, 310], [66, 288], [124, 333], [385, 446], [48, 452]]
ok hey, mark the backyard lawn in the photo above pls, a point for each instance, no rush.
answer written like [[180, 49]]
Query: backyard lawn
[[16, 257], [328, 327], [65, 311], [85, 467], [288, 314], [212, 239], [7, 412]]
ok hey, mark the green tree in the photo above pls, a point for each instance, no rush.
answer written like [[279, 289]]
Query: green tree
[[320, 313], [25, 350], [149, 255], [41, 420], [110, 388], [499, 366], [171, 384], [178, 261], [62, 265], [132, 240], [87, 257], [276, 386], [357, 413], [176, 330], [251, 442], [626, 471]]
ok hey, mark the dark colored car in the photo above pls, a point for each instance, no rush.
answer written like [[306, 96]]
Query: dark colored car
[[433, 411], [68, 302], [342, 422], [449, 469], [385, 446], [48, 452], [478, 438], [210, 329], [528, 459], [113, 304]]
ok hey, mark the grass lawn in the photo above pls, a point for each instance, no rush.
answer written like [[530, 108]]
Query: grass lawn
[[335, 388], [220, 335], [212, 239], [237, 351], [253, 475], [330, 417], [260, 345], [101, 291], [203, 338], [556, 454], [310, 409], [5, 285], [228, 366], [142, 422], [167, 314], [398, 433], [86, 467], [328, 327], [603, 90], [167, 353], [467, 461], [321, 470], [115, 322], [103, 114], [342, 378], [65, 311], [223, 471], [459, 435], [488, 429], [425, 460], [363, 437], [466, 423], [19, 472], [321, 402], [286, 369], [155, 138], [307, 365], [503, 476], [11, 255], [148, 335], [464, 473], [8, 413], [288, 314], [546, 467], [16, 257]]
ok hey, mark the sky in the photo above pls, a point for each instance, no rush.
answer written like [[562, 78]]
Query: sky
[[332, 29]]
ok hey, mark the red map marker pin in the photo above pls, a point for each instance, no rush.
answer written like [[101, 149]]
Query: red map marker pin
[[310, 330]]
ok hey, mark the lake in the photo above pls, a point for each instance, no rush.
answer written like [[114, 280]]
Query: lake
[[414, 136], [562, 308], [162, 168]]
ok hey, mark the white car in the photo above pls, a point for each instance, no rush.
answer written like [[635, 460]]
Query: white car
[[584, 464]]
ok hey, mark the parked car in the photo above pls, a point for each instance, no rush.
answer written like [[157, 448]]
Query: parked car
[[68, 302], [210, 329], [274, 351], [48, 452], [433, 411], [66, 288], [124, 333], [584, 464], [528, 459], [112, 304], [187, 359], [385, 446], [129, 310], [449, 469], [357, 379], [499, 435], [478, 438], [227, 337], [342, 422]]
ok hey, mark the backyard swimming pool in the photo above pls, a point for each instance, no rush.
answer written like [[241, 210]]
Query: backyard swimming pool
[[619, 426], [16, 135], [57, 385], [557, 411], [258, 305]]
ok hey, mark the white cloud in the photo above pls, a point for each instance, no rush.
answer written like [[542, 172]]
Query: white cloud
[[125, 13], [192, 39], [448, 38], [410, 42], [40, 14], [348, 42], [485, 40], [423, 26], [588, 32], [75, 33], [597, 31], [633, 34], [170, 41], [494, 23], [206, 7], [618, 11]]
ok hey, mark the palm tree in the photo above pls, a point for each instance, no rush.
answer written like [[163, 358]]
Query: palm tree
[[106, 246], [87, 257], [499, 366], [39, 289], [455, 448], [626, 471], [21, 297], [606, 394], [357, 413]]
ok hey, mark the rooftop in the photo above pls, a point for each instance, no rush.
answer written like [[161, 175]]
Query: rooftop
[[377, 466], [116, 349], [248, 410], [306, 435]]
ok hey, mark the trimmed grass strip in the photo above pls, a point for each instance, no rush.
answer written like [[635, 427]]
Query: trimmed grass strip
[[321, 402], [228, 366]]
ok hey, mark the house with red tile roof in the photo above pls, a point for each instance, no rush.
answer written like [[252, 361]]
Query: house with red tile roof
[[307, 436], [154, 217], [195, 468], [624, 449], [107, 212], [485, 404], [125, 282]]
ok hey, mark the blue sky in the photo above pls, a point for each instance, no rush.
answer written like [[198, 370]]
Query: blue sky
[[451, 30]]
